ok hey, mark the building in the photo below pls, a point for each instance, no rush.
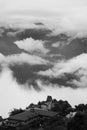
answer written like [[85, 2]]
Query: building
[[28, 119], [44, 106], [45, 113], [22, 120], [48, 104]]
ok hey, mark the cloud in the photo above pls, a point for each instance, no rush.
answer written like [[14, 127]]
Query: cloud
[[21, 58], [12, 95], [1, 32], [15, 32], [82, 74], [77, 65], [32, 45], [59, 16], [60, 44], [67, 66], [69, 15], [73, 96], [51, 5], [57, 44]]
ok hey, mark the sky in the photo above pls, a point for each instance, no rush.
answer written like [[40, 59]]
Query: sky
[[54, 5], [65, 15], [69, 8], [71, 12]]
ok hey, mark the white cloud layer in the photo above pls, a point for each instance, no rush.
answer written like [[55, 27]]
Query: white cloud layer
[[50, 5], [73, 96], [21, 58], [64, 15], [13, 96], [78, 64], [32, 45]]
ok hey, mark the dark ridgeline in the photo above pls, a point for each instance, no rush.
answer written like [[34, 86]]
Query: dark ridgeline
[[47, 115]]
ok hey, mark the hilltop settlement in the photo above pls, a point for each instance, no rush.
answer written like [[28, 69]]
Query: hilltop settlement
[[47, 115]]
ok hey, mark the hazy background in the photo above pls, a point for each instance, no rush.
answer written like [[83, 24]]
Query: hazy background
[[59, 16]]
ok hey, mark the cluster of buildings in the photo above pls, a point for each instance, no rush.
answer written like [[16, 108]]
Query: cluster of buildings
[[44, 105], [31, 118]]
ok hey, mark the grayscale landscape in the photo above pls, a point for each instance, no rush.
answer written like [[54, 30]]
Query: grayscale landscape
[[43, 53]]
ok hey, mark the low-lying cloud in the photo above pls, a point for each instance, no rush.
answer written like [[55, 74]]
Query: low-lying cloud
[[77, 65], [21, 58], [68, 17], [32, 45], [12, 95]]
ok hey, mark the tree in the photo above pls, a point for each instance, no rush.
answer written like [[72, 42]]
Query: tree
[[78, 122], [81, 107], [63, 107], [15, 111]]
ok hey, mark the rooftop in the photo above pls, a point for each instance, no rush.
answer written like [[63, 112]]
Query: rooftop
[[33, 113], [45, 112], [23, 116]]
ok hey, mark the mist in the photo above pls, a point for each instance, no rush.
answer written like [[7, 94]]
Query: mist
[[13, 95], [69, 17]]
